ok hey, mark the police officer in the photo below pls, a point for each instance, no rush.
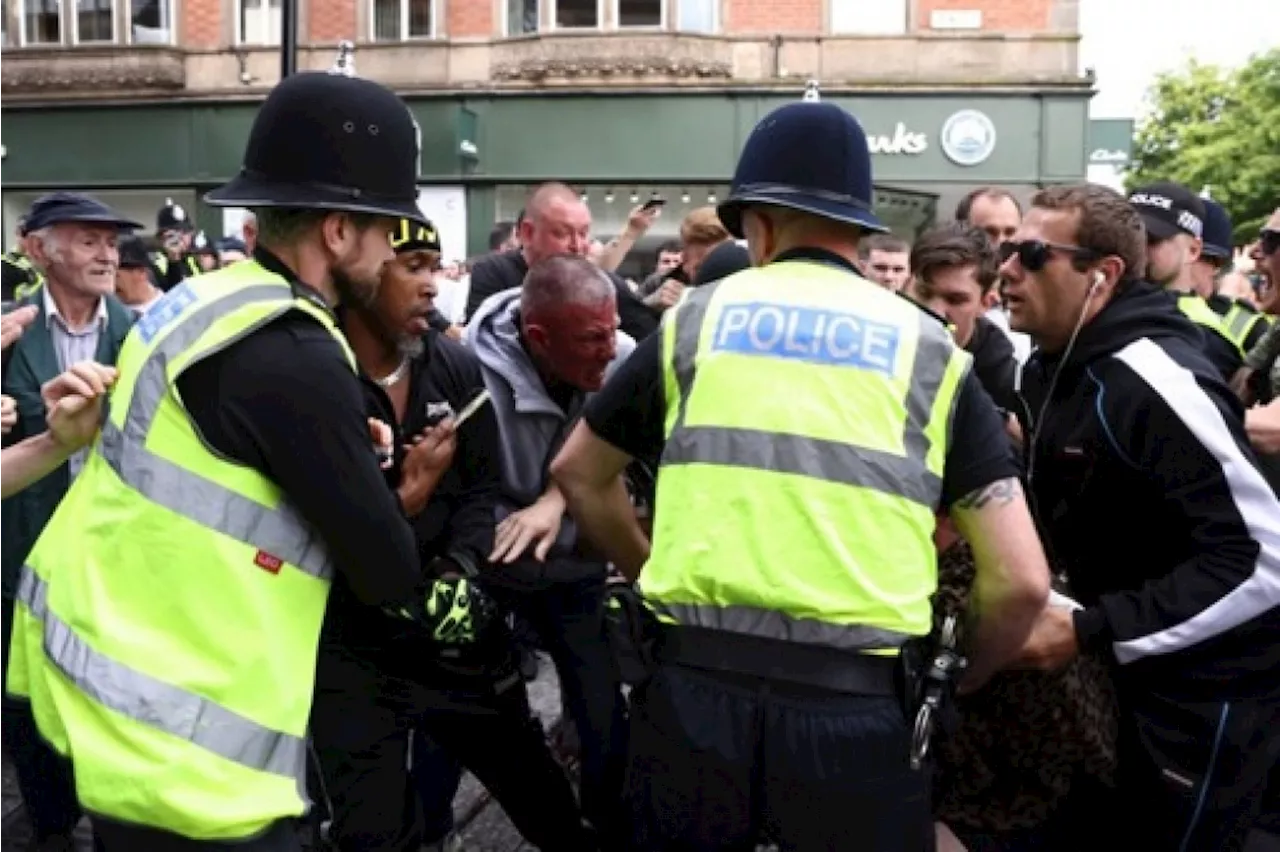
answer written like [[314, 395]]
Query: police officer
[[1174, 217], [176, 234], [168, 623], [1244, 324], [21, 278], [809, 424]]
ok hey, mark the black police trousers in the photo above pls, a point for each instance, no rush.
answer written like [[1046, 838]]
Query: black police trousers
[[361, 723], [1194, 777], [721, 762]]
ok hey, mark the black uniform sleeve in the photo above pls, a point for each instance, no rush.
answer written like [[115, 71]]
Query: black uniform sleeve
[[1185, 433], [471, 519], [629, 411], [285, 402], [980, 452]]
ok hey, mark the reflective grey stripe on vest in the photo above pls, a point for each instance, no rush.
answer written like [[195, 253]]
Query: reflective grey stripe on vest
[[279, 531], [1239, 323], [160, 705], [769, 624], [901, 475]]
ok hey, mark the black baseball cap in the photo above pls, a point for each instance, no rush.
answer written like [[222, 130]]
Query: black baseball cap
[[412, 236], [1217, 231], [133, 253], [1168, 209]]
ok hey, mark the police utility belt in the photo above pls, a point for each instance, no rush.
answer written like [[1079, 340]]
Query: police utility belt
[[922, 677], [641, 642]]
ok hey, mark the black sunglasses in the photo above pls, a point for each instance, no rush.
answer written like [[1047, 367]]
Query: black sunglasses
[[1269, 241], [1034, 255]]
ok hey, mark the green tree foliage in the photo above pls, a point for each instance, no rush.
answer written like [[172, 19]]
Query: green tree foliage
[[1207, 127]]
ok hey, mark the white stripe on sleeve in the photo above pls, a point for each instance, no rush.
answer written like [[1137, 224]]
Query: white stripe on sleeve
[[1253, 497]]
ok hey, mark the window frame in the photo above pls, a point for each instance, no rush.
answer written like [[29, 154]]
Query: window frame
[[553, 27], [127, 23], [907, 21], [22, 27], [75, 24], [404, 24], [237, 25], [661, 26], [505, 5]]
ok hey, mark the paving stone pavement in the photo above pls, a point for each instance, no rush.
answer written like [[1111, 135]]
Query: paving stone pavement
[[483, 825]]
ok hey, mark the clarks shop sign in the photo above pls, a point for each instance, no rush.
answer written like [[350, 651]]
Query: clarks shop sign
[[1110, 142], [967, 138]]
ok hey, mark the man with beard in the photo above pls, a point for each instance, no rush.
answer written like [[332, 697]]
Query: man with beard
[[377, 681], [168, 622]]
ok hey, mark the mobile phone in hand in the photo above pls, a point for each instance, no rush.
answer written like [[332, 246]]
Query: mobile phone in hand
[[653, 203]]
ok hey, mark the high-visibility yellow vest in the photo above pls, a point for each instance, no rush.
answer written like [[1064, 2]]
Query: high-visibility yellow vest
[[189, 262], [1239, 321], [169, 616], [808, 414], [1198, 311]]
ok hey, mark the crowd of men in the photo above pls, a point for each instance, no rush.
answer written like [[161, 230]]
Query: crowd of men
[[835, 540]]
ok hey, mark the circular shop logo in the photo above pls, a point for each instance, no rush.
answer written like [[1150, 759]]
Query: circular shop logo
[[968, 137]]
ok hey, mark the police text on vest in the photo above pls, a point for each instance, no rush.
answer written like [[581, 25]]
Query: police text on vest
[[807, 334]]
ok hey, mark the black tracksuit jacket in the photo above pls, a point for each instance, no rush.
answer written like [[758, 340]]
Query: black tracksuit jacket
[[1149, 498]]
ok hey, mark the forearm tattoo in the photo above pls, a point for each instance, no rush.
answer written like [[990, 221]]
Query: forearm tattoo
[[1002, 492]]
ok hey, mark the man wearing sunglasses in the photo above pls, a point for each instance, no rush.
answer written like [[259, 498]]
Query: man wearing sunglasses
[[1150, 501], [1174, 218], [1260, 376]]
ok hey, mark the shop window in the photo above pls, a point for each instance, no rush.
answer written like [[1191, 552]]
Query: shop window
[[260, 22], [522, 17], [41, 22], [859, 17], [401, 20], [638, 13], [697, 16], [151, 22], [577, 14]]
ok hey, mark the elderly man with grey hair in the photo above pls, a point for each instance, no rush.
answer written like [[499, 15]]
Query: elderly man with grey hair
[[72, 239]]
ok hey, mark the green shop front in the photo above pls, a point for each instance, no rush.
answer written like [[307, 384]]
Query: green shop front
[[482, 153]]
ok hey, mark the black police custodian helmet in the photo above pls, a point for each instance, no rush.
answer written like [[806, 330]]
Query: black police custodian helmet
[[809, 156], [329, 142], [171, 217]]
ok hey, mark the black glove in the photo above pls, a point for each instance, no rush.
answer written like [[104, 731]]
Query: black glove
[[458, 611], [454, 610]]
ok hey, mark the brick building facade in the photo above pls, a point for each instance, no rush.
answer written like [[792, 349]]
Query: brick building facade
[[620, 97], [67, 49]]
